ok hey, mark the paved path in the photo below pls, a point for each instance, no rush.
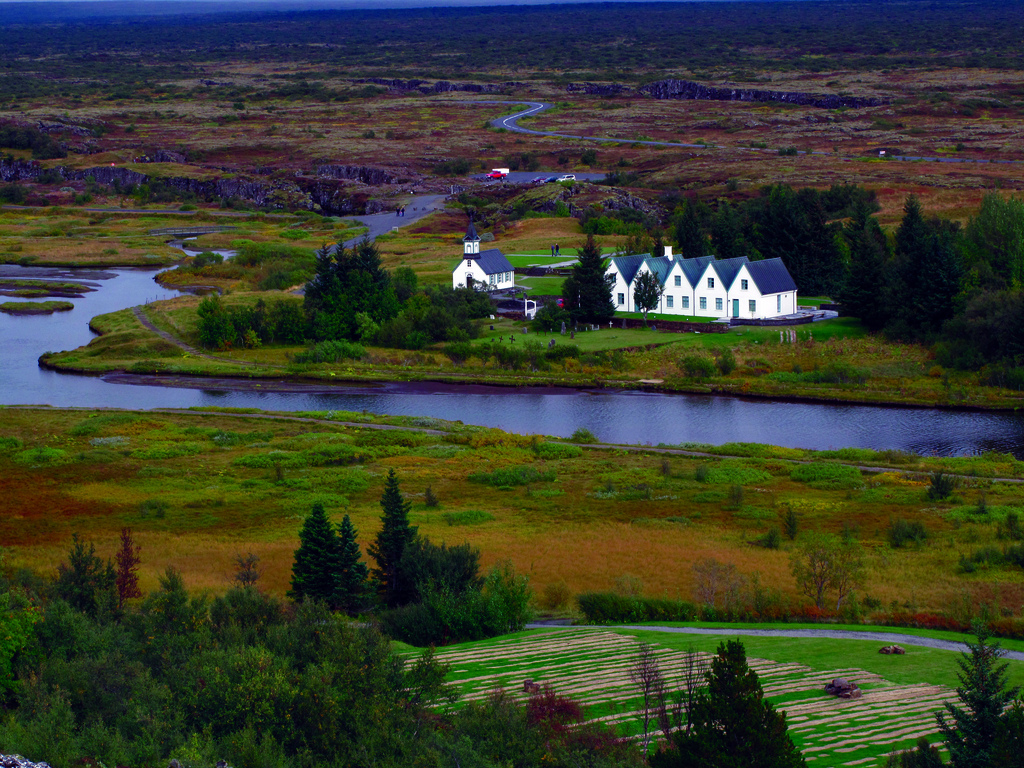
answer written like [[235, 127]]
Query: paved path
[[885, 638], [533, 108], [382, 223]]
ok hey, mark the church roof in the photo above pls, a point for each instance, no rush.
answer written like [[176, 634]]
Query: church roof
[[471, 233], [493, 262]]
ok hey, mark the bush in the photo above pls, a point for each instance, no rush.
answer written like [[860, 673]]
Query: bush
[[725, 362], [512, 476], [828, 475], [583, 435], [771, 540], [41, 455], [467, 517], [558, 451], [837, 373], [331, 352], [941, 486], [902, 532], [697, 367], [613, 608]]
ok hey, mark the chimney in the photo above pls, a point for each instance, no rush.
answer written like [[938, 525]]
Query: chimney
[[668, 252]]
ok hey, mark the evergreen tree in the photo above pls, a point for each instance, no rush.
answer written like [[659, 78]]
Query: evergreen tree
[[728, 238], [864, 285], [352, 574], [389, 546], [317, 560], [731, 723], [972, 730], [587, 294], [689, 230], [85, 581]]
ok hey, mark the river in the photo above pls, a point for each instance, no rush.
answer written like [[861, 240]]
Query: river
[[623, 417]]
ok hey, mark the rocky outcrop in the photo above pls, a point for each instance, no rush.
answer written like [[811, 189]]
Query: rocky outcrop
[[843, 688], [685, 89], [17, 761], [440, 86], [598, 89], [164, 156], [363, 173], [333, 199]]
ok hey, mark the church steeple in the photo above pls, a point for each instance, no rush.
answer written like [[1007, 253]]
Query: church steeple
[[471, 242]]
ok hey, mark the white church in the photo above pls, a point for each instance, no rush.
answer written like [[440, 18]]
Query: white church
[[706, 286], [485, 271]]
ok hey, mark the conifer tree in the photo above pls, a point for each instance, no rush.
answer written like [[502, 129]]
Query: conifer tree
[[587, 294], [389, 546], [317, 560], [972, 729], [352, 574], [865, 281], [689, 230], [731, 724]]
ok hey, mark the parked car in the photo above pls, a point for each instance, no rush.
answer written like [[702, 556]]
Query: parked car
[[539, 180], [550, 179], [566, 177], [498, 173]]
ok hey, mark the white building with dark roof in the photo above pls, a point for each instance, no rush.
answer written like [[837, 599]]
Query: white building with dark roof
[[707, 287], [483, 270]]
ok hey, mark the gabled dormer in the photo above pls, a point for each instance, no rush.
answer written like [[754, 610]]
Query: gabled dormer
[[471, 242]]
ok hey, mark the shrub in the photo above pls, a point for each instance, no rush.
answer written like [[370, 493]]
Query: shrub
[[556, 595], [429, 499], [1010, 528], [771, 540], [732, 474], [837, 373], [697, 367], [40, 455], [512, 476], [583, 435], [941, 486], [614, 608], [700, 474], [562, 352], [827, 475], [10, 443], [902, 532], [726, 362], [558, 451], [331, 352], [467, 517], [790, 523]]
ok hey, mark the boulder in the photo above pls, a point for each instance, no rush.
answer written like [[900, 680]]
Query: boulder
[[892, 649], [843, 688]]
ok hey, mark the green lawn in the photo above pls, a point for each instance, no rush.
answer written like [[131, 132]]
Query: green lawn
[[587, 341], [526, 260], [545, 286], [900, 693]]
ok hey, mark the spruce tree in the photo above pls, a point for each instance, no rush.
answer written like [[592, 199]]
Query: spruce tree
[[865, 282], [587, 294], [317, 560], [352, 574], [972, 731], [731, 724], [689, 230], [389, 546]]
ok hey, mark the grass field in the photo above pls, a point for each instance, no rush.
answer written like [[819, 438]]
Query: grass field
[[900, 693], [200, 487]]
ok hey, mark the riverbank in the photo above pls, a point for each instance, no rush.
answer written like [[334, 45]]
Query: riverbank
[[831, 362]]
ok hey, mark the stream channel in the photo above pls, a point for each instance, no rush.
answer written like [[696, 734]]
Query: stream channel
[[620, 417]]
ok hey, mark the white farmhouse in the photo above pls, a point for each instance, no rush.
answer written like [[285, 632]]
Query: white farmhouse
[[486, 271], [707, 287]]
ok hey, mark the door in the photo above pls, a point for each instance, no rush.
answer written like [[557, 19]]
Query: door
[[735, 307], [469, 280]]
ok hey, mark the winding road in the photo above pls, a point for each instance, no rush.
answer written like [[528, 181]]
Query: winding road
[[534, 108]]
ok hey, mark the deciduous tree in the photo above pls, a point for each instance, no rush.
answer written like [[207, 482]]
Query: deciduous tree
[[825, 564], [646, 292]]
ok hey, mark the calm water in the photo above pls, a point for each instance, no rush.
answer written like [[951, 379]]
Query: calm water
[[627, 417]]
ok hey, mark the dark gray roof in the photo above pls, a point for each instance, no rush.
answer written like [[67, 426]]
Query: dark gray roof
[[728, 268], [694, 268], [771, 276], [629, 265], [471, 233], [493, 262]]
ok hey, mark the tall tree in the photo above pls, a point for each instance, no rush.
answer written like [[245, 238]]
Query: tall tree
[[126, 579], [824, 564], [389, 546], [733, 725], [646, 292], [586, 293], [352, 571], [995, 238], [85, 581], [689, 225], [972, 729], [317, 560], [862, 290]]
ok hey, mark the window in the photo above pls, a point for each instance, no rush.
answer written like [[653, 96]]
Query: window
[[492, 279], [622, 299], [469, 262], [679, 281], [778, 303], [711, 282], [753, 307], [743, 285], [686, 302], [718, 304], [703, 302], [668, 302]]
